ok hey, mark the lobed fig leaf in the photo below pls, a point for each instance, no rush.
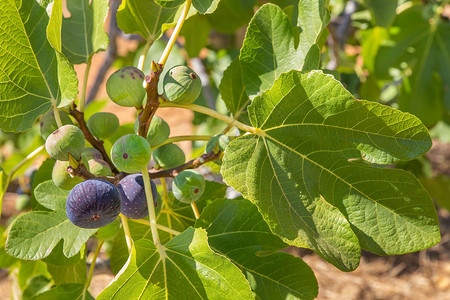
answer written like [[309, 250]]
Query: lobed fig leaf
[[103, 125], [182, 85], [168, 156], [125, 87], [64, 140], [61, 178], [131, 153], [94, 203], [188, 186], [132, 193], [48, 123]]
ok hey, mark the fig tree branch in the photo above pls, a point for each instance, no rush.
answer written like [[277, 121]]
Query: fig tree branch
[[152, 103], [79, 116]]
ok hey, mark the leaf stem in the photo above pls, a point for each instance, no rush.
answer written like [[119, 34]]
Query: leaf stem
[[175, 33], [126, 230], [29, 157], [85, 80], [212, 113], [165, 203], [91, 269], [151, 208], [181, 138], [144, 54], [57, 116], [195, 210]]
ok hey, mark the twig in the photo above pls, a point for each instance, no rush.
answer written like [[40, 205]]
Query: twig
[[79, 116]]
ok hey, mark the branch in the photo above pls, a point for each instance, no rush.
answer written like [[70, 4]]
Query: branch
[[79, 116], [152, 99]]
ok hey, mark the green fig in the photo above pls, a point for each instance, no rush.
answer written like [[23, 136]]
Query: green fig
[[48, 123], [91, 153], [168, 156], [158, 131], [61, 178], [182, 85], [217, 143], [64, 140], [188, 186], [103, 125], [125, 87], [131, 153], [99, 167]]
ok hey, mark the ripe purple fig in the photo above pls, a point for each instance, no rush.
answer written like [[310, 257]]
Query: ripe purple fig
[[132, 193], [93, 203]]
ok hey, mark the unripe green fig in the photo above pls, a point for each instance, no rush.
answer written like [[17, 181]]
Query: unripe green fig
[[131, 153], [158, 131], [125, 87], [99, 167], [91, 153], [48, 123], [188, 186], [64, 140], [103, 125], [182, 85], [61, 178], [168, 156], [217, 143]]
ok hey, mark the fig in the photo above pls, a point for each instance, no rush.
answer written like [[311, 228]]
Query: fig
[[93, 203], [48, 122], [188, 186], [158, 131], [103, 125], [132, 193], [91, 153], [182, 85], [168, 156], [131, 153], [64, 140], [61, 178], [99, 167], [125, 87], [217, 143]]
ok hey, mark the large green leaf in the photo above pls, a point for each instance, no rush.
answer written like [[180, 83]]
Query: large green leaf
[[230, 15], [424, 44], [313, 17], [184, 268], [73, 291], [232, 89], [205, 6], [236, 229], [383, 11], [147, 18], [30, 69], [83, 33], [195, 30], [301, 158], [34, 235]]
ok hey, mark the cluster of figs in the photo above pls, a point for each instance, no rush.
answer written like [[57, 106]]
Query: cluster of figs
[[95, 203]]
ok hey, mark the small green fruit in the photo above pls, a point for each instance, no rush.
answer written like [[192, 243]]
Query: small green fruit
[[125, 87], [48, 123], [64, 140], [188, 186], [91, 153], [103, 125], [168, 156], [131, 153], [61, 178], [217, 143], [158, 131], [99, 167], [182, 85]]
